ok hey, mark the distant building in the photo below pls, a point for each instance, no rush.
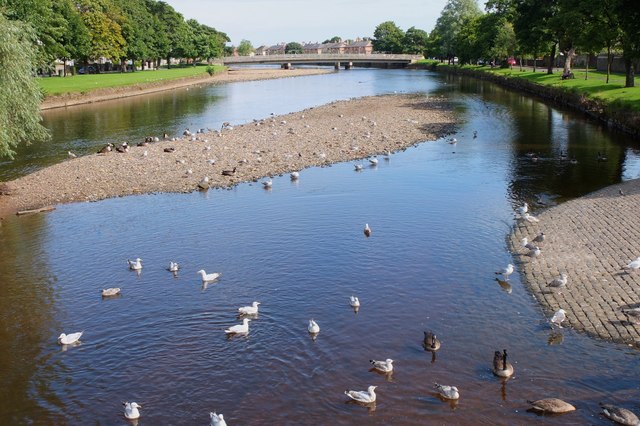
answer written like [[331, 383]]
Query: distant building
[[276, 49], [359, 47], [312, 48], [334, 48], [261, 51]]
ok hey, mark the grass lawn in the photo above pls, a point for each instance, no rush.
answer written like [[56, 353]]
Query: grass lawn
[[613, 93], [87, 82]]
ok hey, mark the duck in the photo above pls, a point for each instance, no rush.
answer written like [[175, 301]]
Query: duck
[[620, 415], [354, 302], [173, 267], [208, 277], [551, 406], [135, 265], [431, 342], [131, 410], [573, 160], [563, 155], [366, 397], [475, 134], [108, 292], [267, 184], [169, 149], [385, 366], [367, 230], [107, 148], [69, 339], [313, 328], [501, 367], [506, 271], [123, 148], [447, 392], [294, 175], [239, 328], [249, 310], [217, 419], [358, 167], [601, 157], [229, 172], [453, 141]]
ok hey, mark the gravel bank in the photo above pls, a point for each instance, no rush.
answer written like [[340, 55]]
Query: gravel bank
[[340, 131]]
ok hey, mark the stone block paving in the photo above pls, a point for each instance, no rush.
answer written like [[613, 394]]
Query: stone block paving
[[590, 239]]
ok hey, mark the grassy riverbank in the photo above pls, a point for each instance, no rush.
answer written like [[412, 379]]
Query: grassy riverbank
[[55, 86], [613, 94]]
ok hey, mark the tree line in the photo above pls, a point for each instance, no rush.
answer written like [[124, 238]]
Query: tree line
[[142, 31], [527, 29]]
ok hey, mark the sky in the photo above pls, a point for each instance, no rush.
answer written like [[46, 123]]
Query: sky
[[269, 22]]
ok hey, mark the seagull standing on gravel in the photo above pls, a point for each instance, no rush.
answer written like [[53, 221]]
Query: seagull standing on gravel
[[523, 209], [559, 282], [530, 218], [634, 264], [558, 317], [535, 252], [526, 244], [632, 314], [505, 272], [539, 238]]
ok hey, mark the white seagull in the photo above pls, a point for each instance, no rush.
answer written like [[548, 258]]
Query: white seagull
[[523, 209], [217, 419], [535, 252], [71, 154], [204, 183], [505, 272], [131, 410], [354, 302], [69, 339], [358, 167], [385, 366], [313, 328], [558, 317], [539, 238], [267, 184], [526, 244], [136, 265], [294, 175], [634, 264], [559, 282], [447, 392], [173, 267], [113, 291], [208, 277], [366, 397], [239, 328], [367, 230], [373, 161], [249, 310], [530, 218]]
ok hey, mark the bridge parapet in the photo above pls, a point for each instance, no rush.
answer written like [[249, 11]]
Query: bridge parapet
[[321, 58]]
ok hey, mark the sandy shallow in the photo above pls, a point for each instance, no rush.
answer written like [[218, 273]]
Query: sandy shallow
[[229, 76], [337, 132]]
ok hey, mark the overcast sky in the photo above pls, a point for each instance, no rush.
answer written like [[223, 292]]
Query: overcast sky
[[273, 21]]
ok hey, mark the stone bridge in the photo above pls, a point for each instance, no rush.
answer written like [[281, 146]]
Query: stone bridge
[[345, 60]]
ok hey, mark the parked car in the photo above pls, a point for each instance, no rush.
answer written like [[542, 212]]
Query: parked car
[[88, 70]]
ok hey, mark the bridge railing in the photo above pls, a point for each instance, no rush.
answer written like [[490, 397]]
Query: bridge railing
[[323, 57]]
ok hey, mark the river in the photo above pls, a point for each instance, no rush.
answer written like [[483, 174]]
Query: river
[[440, 215]]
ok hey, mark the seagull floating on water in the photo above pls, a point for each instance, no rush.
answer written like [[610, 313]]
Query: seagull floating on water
[[294, 175], [217, 419], [558, 317], [354, 302], [69, 339], [385, 366], [208, 277], [366, 397], [173, 267], [313, 328], [373, 161], [367, 230], [358, 167], [267, 184], [136, 265], [131, 410], [505, 272], [239, 328], [249, 310], [447, 392], [108, 292]]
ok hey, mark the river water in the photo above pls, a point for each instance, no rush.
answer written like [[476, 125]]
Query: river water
[[440, 215]]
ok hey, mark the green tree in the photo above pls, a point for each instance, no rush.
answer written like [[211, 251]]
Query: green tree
[[629, 16], [388, 38], [416, 41], [104, 22], [19, 92], [451, 21], [245, 48], [293, 47], [466, 41], [74, 39], [532, 28], [334, 39]]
